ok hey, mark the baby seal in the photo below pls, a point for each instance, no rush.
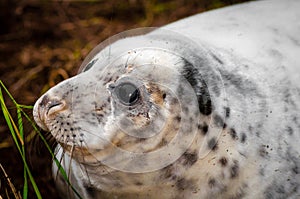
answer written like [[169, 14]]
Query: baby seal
[[207, 107]]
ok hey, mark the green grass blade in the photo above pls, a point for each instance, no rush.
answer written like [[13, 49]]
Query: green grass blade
[[25, 106], [8, 120], [21, 130], [8, 93], [14, 132]]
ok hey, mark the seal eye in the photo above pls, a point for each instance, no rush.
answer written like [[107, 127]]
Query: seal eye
[[127, 93]]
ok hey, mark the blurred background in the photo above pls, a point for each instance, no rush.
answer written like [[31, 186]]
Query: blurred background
[[44, 42]]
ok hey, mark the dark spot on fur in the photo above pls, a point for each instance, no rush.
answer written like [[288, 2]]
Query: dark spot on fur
[[203, 128], [227, 112], [189, 158], [216, 89], [204, 102], [178, 118], [183, 184], [295, 169], [94, 103], [168, 172], [90, 190], [180, 89], [233, 134], [223, 161], [44, 101], [140, 140], [234, 169], [262, 151], [193, 76], [242, 85], [257, 134], [290, 130], [218, 121], [243, 138], [174, 101], [162, 143], [262, 171], [107, 79], [211, 182], [191, 120], [217, 59], [164, 96], [212, 143], [185, 109]]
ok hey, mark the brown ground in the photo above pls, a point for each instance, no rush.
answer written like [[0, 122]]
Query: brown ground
[[44, 43]]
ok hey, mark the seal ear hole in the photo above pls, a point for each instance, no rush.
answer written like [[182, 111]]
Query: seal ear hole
[[164, 95], [89, 65]]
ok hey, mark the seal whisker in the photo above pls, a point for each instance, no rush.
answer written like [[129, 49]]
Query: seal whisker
[[60, 161], [59, 147], [136, 56], [93, 134], [69, 170], [49, 136], [84, 170], [126, 63], [101, 164]]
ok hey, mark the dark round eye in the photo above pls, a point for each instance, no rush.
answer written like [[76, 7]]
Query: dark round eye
[[127, 93]]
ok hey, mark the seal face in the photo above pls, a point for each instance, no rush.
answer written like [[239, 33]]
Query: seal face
[[162, 115]]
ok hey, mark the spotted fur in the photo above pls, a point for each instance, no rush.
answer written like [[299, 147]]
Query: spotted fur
[[217, 113]]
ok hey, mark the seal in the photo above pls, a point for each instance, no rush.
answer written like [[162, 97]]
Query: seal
[[206, 107]]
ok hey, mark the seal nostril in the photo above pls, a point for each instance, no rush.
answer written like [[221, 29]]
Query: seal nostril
[[49, 103], [54, 106], [45, 107]]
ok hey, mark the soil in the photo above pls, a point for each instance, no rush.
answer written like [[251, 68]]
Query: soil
[[44, 42]]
